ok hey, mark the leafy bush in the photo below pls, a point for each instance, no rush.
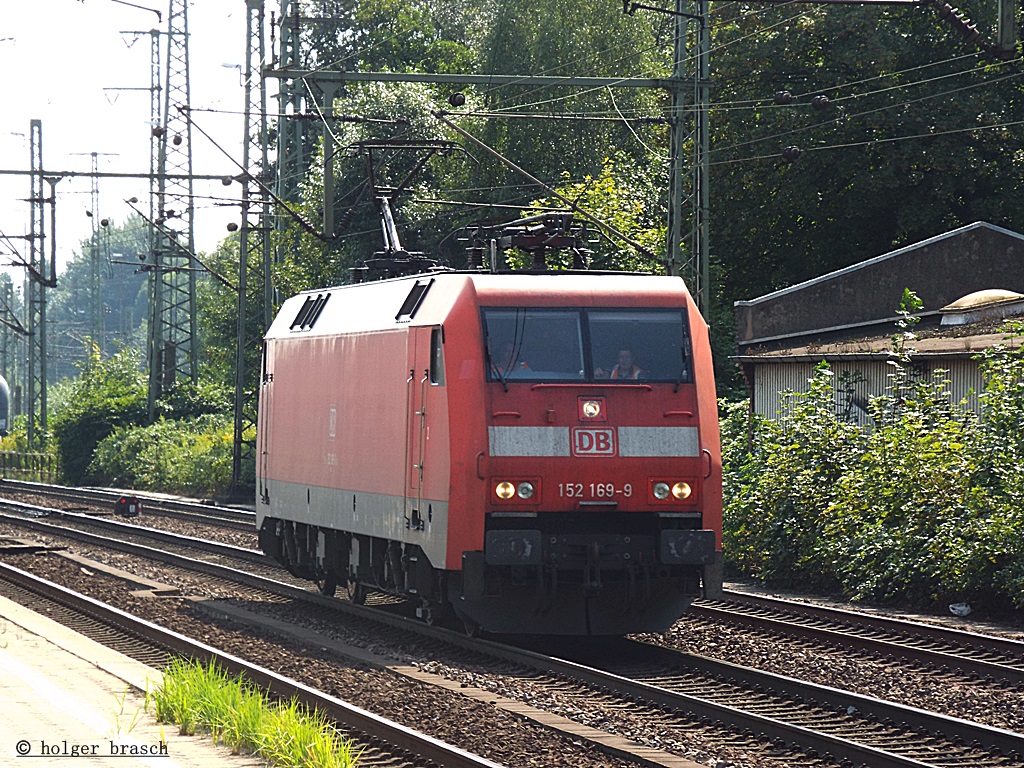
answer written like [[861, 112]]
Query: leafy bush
[[901, 508], [190, 456], [779, 495], [110, 393], [925, 507], [107, 406], [187, 400]]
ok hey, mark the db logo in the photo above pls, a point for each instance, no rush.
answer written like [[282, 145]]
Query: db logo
[[593, 442]]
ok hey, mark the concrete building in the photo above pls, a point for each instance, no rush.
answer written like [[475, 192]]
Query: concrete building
[[969, 281]]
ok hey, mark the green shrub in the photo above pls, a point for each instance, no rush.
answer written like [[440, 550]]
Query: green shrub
[[778, 496], [110, 393], [98, 426], [925, 507], [192, 456]]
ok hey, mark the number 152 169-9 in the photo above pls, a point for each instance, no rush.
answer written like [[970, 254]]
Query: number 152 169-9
[[594, 490]]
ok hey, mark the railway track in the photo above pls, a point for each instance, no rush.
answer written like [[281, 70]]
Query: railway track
[[848, 728], [676, 689], [985, 656], [235, 518], [379, 741], [221, 560]]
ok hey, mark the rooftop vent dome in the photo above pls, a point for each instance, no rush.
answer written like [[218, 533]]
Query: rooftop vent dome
[[983, 298], [990, 304]]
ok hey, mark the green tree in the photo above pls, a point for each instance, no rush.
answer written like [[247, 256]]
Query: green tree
[[898, 154], [389, 113], [217, 304], [466, 36], [123, 298], [622, 195]]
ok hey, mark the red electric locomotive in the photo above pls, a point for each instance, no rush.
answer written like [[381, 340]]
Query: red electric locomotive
[[538, 453]]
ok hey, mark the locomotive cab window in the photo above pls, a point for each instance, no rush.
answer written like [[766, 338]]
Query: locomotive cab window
[[437, 356], [606, 345], [533, 344], [639, 344]]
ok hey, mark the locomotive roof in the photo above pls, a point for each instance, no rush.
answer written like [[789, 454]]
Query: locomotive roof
[[427, 299]]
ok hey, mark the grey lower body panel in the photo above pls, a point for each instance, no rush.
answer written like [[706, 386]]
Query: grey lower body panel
[[422, 522]]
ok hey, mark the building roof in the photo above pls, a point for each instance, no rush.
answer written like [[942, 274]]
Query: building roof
[[854, 310], [880, 348]]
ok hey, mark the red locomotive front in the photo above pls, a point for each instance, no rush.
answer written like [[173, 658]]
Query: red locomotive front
[[603, 474], [537, 452]]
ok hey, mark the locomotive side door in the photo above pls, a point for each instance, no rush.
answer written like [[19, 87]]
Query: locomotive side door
[[263, 419], [417, 425]]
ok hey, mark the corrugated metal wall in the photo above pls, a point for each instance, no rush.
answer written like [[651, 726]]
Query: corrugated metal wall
[[855, 384]]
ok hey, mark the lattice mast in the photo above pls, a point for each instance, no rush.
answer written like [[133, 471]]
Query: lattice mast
[[39, 277], [95, 275], [156, 121], [291, 160], [700, 204], [255, 292], [98, 255], [173, 345], [35, 306], [9, 344], [689, 128]]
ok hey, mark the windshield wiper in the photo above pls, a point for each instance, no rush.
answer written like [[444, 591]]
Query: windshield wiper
[[493, 368], [684, 349]]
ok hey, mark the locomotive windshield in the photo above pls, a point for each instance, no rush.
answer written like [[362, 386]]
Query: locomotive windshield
[[587, 345], [535, 344]]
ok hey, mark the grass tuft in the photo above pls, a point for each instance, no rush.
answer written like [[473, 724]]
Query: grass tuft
[[204, 698]]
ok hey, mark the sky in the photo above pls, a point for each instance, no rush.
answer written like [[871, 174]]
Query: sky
[[70, 64]]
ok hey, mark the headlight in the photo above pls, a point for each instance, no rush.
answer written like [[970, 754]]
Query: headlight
[[525, 490], [505, 490], [682, 491], [591, 408], [660, 490]]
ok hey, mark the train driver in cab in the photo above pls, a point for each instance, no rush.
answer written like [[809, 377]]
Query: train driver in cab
[[624, 368], [508, 361]]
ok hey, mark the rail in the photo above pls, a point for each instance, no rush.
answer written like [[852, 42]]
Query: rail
[[661, 678], [349, 717]]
